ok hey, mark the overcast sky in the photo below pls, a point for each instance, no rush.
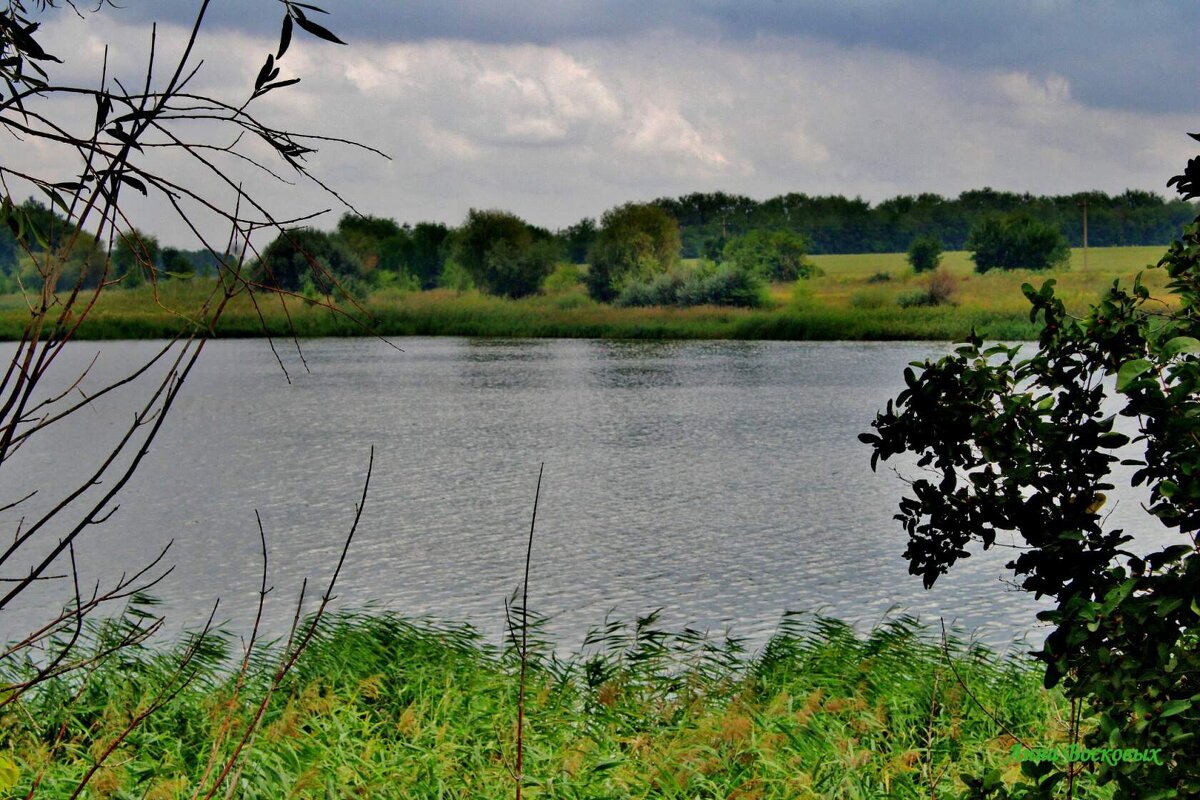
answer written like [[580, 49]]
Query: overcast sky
[[557, 109]]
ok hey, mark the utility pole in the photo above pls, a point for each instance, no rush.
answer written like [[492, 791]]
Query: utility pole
[[1084, 204]]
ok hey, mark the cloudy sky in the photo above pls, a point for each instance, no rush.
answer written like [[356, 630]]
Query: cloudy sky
[[559, 109]]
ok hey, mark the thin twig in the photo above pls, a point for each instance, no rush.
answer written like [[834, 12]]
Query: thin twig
[[967, 689], [520, 776], [292, 653]]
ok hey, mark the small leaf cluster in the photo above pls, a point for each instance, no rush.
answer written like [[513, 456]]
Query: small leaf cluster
[[20, 54], [1188, 183], [268, 74]]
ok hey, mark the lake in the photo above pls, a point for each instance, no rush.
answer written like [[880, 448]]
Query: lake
[[721, 482]]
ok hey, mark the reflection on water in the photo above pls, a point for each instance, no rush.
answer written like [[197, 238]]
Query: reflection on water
[[719, 481]]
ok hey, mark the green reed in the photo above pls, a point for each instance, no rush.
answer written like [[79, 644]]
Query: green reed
[[381, 706]]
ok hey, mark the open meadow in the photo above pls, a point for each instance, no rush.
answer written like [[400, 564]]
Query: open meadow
[[853, 281]]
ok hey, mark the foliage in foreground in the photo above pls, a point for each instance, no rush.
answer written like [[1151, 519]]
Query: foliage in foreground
[[1024, 449], [383, 707]]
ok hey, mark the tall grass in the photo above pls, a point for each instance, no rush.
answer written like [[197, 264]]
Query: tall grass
[[385, 707]]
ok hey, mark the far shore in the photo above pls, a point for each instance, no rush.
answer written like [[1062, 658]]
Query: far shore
[[857, 297]]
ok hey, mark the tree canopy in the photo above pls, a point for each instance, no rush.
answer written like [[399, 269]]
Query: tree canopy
[[378, 242], [577, 240], [635, 242], [1016, 241], [503, 254], [304, 255], [837, 224], [771, 255], [135, 256], [429, 245]]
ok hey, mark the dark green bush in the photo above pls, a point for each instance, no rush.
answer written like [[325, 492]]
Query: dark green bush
[[661, 290], [925, 253], [723, 286], [1017, 241], [915, 299]]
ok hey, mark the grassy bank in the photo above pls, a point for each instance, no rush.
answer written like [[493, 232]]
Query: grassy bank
[[856, 297], [380, 707]]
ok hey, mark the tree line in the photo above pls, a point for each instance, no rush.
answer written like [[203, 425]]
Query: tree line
[[633, 251], [836, 224]]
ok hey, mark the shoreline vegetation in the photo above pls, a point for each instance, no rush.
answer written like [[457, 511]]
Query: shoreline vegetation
[[381, 706], [854, 297]]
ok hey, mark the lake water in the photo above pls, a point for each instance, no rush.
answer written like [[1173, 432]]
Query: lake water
[[719, 481]]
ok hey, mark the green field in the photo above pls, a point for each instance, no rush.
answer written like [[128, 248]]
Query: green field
[[850, 300], [380, 707], [997, 291]]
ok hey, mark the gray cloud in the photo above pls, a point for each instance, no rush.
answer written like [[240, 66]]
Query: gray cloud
[[561, 131], [1139, 56]]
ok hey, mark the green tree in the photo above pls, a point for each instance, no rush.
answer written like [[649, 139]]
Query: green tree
[[502, 254], [453, 276], [430, 247], [66, 268], [176, 263], [135, 256], [303, 255], [577, 240], [1016, 241], [1020, 448], [925, 253], [377, 242], [713, 248], [9, 251], [635, 242], [45, 229], [84, 264], [771, 255]]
